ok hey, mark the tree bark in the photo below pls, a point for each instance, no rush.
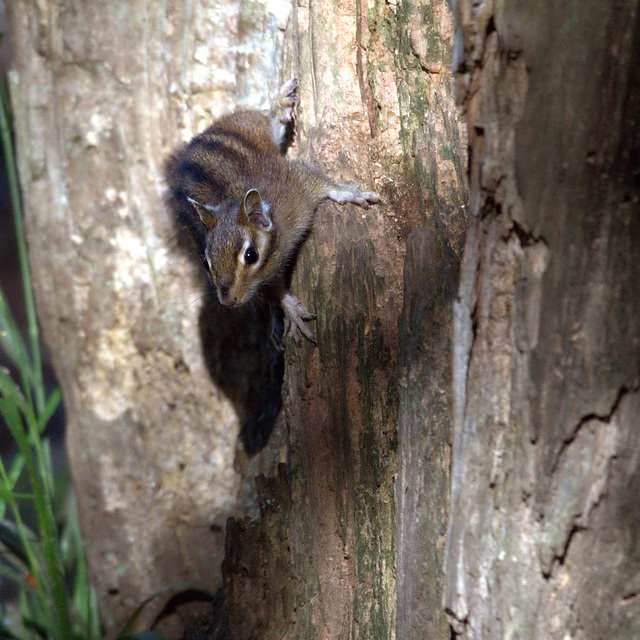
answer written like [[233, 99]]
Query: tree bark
[[435, 151], [156, 399], [101, 94], [542, 540], [390, 123]]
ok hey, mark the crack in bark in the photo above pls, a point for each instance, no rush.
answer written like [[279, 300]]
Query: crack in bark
[[363, 81], [559, 558], [524, 236], [558, 534], [457, 626], [629, 597], [589, 417]]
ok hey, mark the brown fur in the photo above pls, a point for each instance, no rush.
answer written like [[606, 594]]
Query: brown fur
[[210, 182]]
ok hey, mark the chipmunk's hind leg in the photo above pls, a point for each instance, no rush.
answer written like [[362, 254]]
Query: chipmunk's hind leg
[[282, 115]]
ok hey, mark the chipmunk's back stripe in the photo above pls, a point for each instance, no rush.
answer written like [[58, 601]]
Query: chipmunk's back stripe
[[238, 137], [224, 149], [200, 175], [195, 171]]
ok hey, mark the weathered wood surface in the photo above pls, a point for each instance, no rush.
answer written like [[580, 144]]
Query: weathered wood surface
[[102, 95], [542, 541], [390, 121], [102, 92], [436, 155], [340, 397], [424, 432]]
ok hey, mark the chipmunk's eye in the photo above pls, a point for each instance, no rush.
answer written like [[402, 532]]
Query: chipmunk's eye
[[205, 264], [250, 256]]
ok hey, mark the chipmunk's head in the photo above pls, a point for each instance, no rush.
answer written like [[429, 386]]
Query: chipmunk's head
[[239, 243]]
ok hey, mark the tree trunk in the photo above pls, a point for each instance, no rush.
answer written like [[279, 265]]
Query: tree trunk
[[542, 539], [102, 92], [327, 565], [160, 385]]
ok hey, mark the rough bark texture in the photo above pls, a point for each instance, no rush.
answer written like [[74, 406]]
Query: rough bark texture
[[102, 94], [435, 144], [542, 541], [424, 433], [387, 122]]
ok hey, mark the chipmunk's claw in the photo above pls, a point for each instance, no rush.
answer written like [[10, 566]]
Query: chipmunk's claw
[[297, 315]]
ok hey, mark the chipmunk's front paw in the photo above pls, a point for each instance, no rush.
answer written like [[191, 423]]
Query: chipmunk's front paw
[[297, 315], [344, 193], [365, 198], [282, 114], [288, 100]]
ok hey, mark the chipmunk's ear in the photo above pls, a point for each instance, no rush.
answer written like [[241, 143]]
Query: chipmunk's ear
[[207, 213], [254, 210]]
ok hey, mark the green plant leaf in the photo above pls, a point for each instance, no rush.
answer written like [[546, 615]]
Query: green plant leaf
[[17, 465], [12, 539], [10, 339], [31, 372], [37, 626], [10, 391], [12, 418], [52, 403], [9, 571], [133, 618]]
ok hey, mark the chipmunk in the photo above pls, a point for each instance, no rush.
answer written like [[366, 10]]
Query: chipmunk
[[248, 208]]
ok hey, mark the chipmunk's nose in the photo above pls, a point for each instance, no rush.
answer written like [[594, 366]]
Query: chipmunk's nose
[[223, 294]]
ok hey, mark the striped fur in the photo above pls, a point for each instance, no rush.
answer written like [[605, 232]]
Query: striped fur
[[246, 206]]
